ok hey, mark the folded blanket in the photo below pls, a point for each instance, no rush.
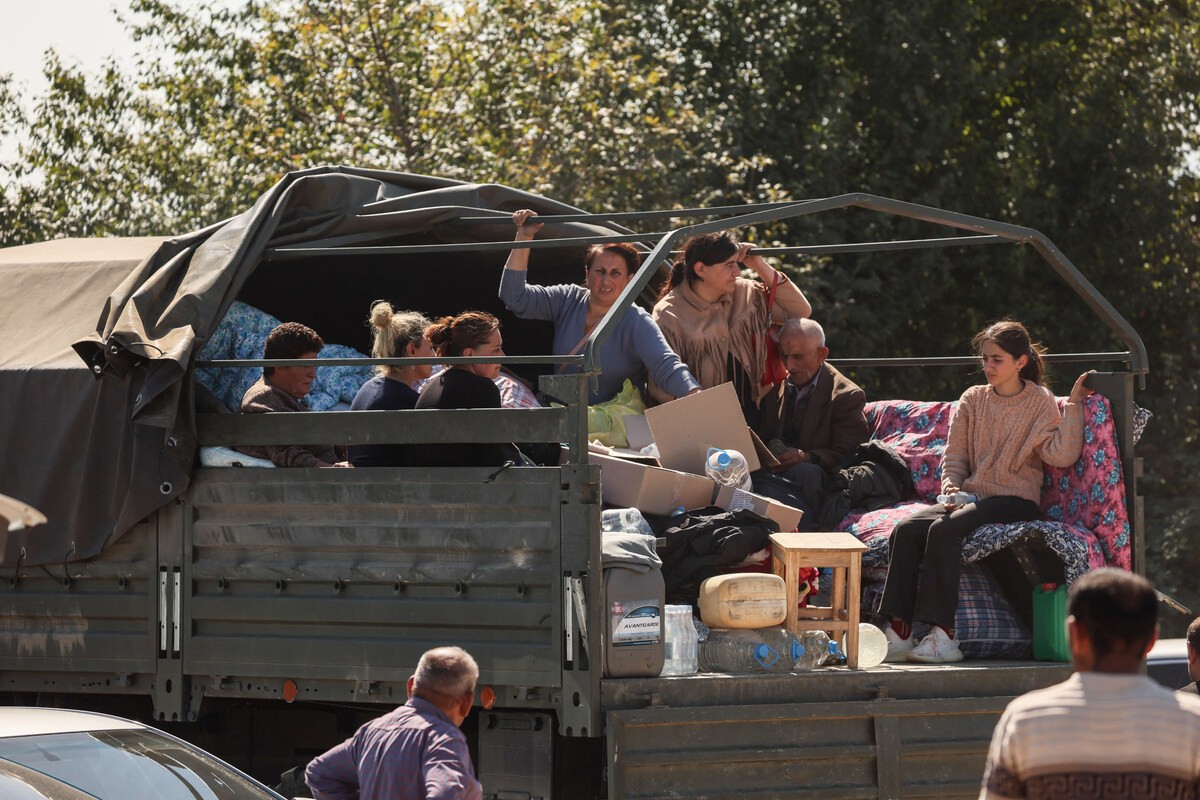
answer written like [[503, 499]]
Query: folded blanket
[[628, 549]]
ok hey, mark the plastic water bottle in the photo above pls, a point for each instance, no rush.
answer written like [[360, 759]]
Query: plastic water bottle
[[680, 641], [836, 656], [816, 650], [956, 499], [625, 519], [736, 650], [784, 642], [728, 468]]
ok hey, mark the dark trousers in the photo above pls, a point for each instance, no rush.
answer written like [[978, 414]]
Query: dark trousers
[[799, 487], [926, 557]]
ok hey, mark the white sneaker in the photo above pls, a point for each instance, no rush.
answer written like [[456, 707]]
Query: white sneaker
[[898, 648], [936, 648]]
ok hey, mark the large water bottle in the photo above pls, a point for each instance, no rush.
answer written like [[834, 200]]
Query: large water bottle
[[784, 642], [736, 650], [680, 641], [816, 650], [728, 468], [625, 519]]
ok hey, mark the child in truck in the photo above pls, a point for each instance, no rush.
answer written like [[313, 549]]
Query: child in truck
[[1001, 434]]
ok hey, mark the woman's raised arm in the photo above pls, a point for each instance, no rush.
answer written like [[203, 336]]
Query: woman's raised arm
[[790, 302], [527, 228]]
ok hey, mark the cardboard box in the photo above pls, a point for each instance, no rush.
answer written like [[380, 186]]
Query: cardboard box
[[684, 429], [786, 517], [637, 432], [653, 490], [622, 453]]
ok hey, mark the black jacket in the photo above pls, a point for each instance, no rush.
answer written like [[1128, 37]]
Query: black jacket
[[874, 476], [705, 544]]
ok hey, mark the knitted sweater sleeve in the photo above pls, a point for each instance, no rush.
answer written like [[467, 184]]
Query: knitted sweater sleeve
[[958, 456], [1058, 441]]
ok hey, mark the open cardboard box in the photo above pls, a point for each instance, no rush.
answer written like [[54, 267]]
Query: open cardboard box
[[785, 516], [653, 490], [684, 429]]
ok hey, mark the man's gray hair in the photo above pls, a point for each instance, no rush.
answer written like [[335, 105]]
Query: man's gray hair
[[447, 671], [801, 326]]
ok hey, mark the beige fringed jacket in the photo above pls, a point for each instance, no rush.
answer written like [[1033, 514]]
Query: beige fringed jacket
[[703, 334]]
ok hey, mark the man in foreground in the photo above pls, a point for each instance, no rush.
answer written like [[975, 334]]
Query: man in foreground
[[1193, 653], [1108, 730], [416, 751]]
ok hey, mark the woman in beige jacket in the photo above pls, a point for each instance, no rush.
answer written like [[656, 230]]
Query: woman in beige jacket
[[717, 321]]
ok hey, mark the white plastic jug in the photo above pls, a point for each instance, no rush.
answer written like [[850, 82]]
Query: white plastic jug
[[743, 600]]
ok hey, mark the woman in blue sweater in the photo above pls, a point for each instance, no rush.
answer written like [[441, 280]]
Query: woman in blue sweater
[[635, 348]]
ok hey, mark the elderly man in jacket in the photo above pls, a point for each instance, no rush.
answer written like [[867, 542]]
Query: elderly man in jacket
[[814, 419]]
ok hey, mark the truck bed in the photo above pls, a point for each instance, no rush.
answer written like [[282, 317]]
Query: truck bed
[[273, 586], [890, 731]]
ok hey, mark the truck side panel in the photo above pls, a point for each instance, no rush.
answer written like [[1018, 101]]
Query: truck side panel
[[350, 578], [83, 626]]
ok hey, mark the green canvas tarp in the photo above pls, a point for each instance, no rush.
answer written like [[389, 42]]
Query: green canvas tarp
[[98, 337]]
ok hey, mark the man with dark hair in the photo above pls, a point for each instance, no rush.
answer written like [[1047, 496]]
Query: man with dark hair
[[1193, 651], [1108, 730], [416, 751], [284, 389]]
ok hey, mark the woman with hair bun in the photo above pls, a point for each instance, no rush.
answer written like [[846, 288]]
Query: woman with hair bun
[[1001, 433], [634, 350], [718, 321], [396, 334], [471, 333]]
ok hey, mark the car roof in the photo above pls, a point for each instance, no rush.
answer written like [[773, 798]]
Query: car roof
[[1169, 648], [24, 721]]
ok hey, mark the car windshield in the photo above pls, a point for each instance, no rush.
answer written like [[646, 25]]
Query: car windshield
[[115, 765], [16, 789], [20, 783]]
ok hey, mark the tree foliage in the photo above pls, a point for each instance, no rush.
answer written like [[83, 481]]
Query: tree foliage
[[539, 95], [1074, 118]]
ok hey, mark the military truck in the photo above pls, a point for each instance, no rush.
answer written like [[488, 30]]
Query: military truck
[[264, 613]]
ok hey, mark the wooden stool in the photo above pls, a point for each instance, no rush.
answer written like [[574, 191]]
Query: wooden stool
[[842, 552]]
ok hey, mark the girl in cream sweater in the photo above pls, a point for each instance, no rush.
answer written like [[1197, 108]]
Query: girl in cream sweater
[[1000, 435]]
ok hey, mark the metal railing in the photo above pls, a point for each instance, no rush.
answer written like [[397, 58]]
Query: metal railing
[[572, 388], [982, 232]]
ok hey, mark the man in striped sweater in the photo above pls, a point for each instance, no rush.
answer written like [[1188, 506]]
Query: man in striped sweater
[[1108, 730]]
